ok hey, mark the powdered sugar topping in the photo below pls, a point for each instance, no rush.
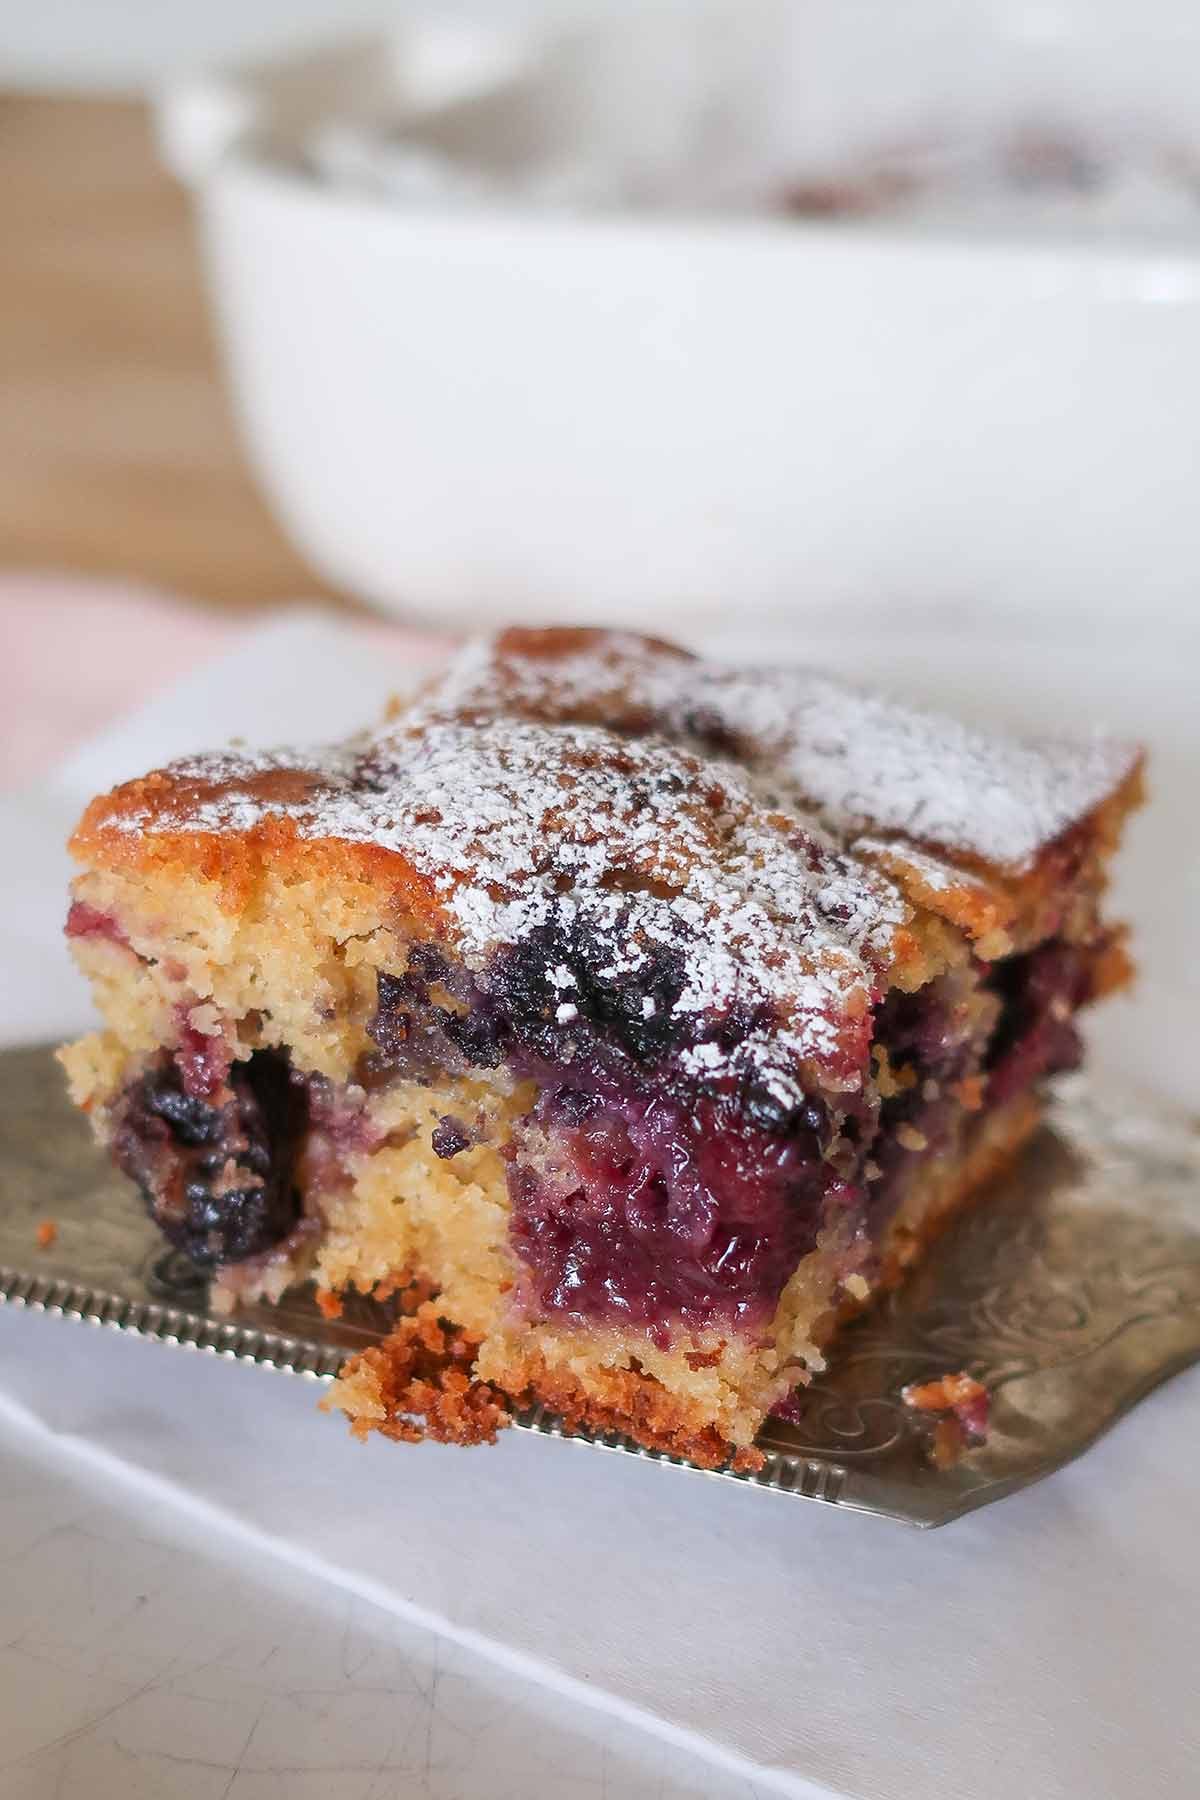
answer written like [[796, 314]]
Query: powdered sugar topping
[[542, 790], [518, 825], [859, 760]]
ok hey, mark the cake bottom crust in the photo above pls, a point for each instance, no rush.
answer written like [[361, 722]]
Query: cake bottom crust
[[705, 1403]]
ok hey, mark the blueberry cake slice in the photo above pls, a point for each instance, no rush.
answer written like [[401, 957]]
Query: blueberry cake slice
[[629, 1018]]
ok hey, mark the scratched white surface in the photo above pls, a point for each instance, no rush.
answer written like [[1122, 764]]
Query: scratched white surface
[[138, 1659]]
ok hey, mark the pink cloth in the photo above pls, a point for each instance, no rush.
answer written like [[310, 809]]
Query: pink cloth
[[78, 652]]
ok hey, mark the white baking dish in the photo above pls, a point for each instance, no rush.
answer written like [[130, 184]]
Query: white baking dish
[[476, 403]]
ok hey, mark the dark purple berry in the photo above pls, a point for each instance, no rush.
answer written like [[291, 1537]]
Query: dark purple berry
[[450, 1137], [418, 1037], [566, 983], [680, 1209], [217, 1178], [1036, 1034]]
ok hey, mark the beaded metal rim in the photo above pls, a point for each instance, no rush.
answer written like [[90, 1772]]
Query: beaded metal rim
[[811, 1480]]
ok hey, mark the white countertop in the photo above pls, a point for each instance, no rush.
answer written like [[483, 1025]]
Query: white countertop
[[138, 1657]]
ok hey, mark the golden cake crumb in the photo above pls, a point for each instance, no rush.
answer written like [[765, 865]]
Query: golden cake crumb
[[944, 1394], [416, 1384]]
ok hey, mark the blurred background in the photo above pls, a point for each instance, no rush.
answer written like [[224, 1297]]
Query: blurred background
[[781, 307]]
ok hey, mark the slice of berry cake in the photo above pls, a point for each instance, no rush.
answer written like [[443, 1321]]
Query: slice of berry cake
[[632, 1019]]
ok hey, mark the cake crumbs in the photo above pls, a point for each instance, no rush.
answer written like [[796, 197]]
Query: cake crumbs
[[416, 1385], [949, 1442], [748, 1462], [963, 1404], [910, 1138], [328, 1304]]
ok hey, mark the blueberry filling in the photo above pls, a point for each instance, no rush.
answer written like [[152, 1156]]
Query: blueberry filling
[[1036, 1036], [636, 1192], [641, 1207], [432, 1020], [562, 985], [930, 1048], [923, 1032], [639, 1193], [216, 1173], [556, 989]]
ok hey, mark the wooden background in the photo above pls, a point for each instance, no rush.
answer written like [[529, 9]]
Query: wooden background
[[117, 449]]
